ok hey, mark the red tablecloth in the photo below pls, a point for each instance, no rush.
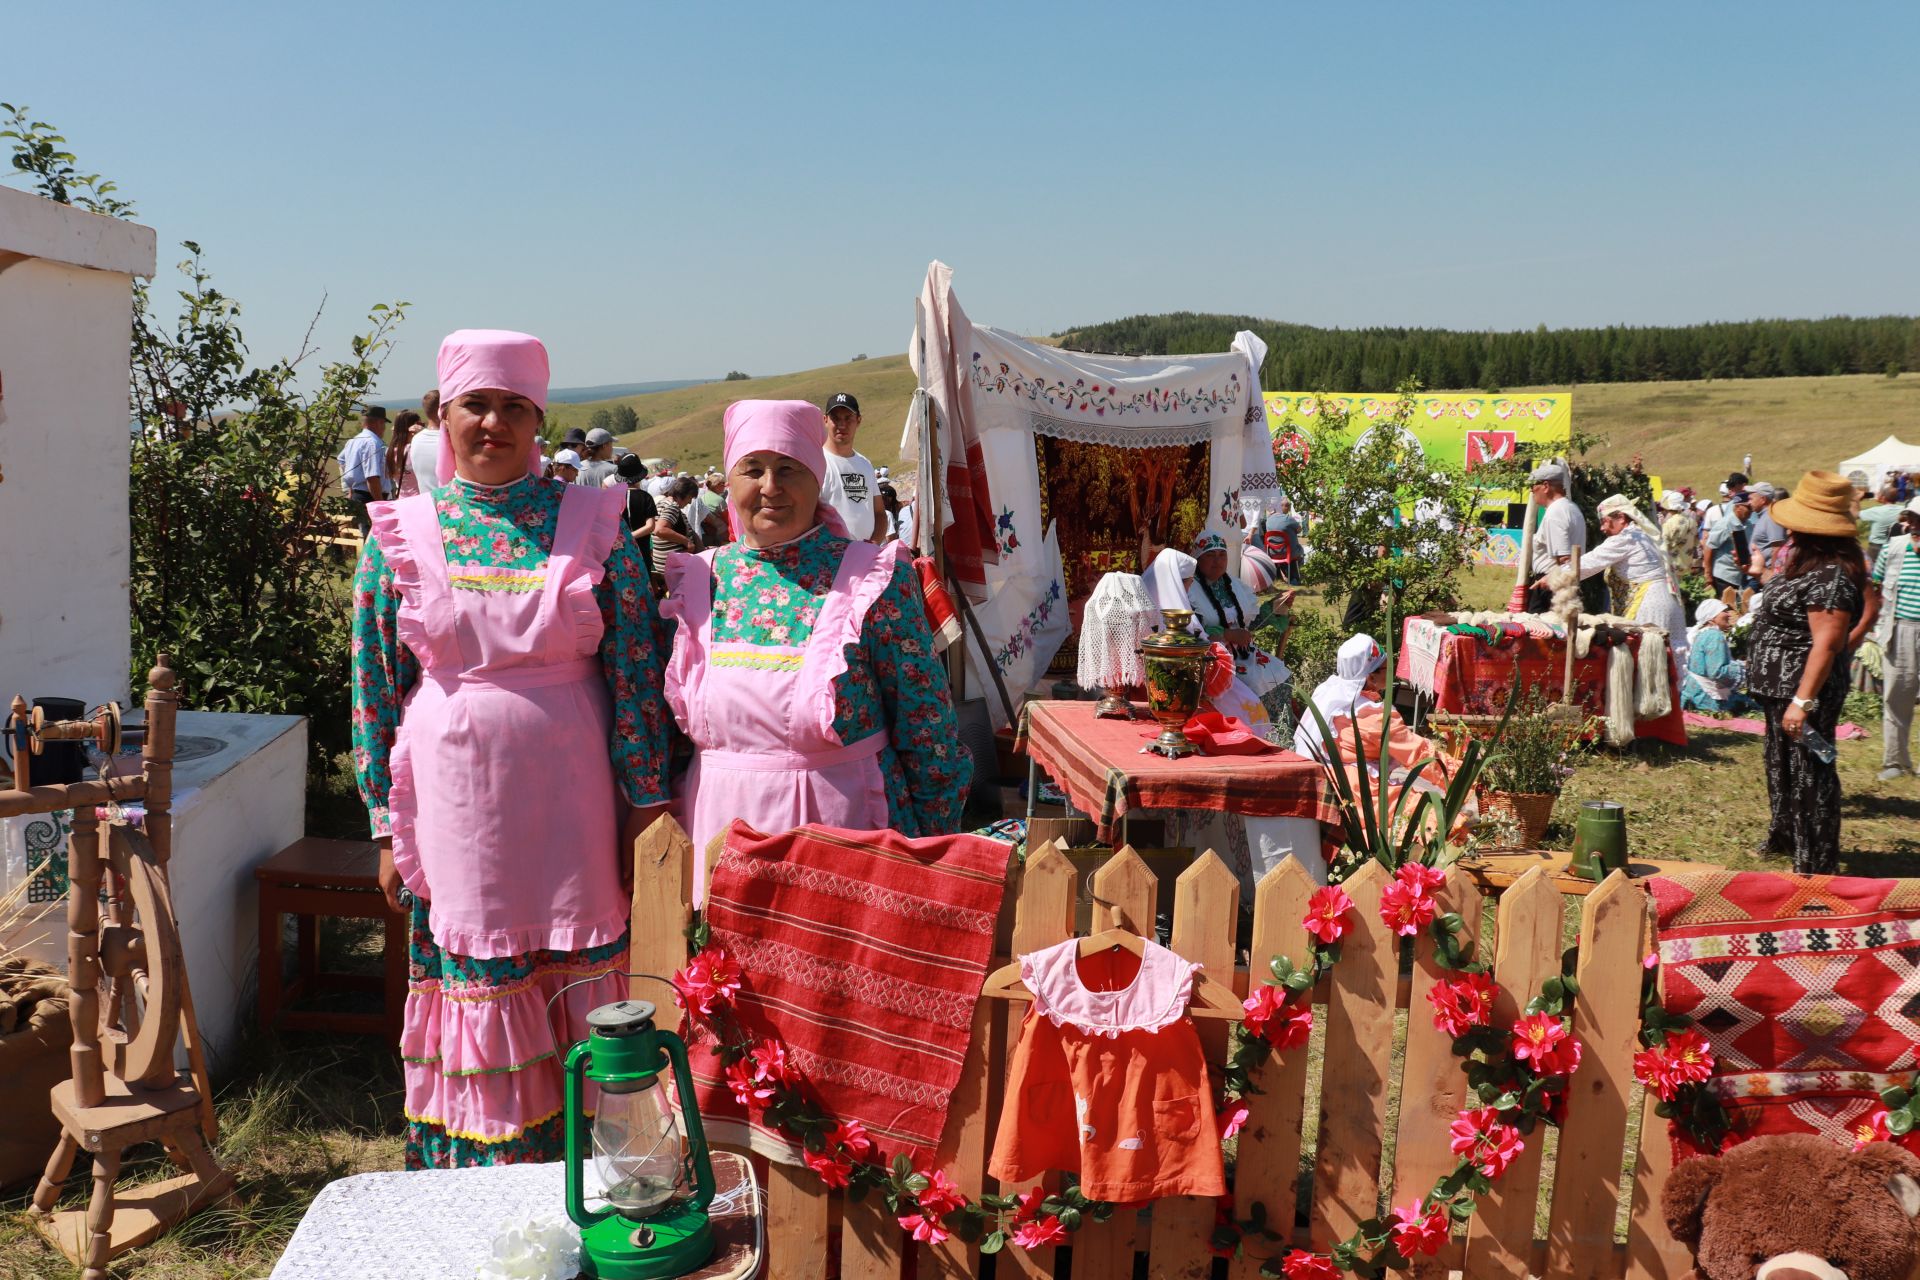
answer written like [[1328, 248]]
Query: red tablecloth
[[1472, 678], [1098, 763]]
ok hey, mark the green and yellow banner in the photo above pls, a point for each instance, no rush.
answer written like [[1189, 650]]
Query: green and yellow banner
[[1465, 430]]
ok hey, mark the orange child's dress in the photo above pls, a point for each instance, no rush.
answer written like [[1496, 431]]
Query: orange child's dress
[[1108, 1080]]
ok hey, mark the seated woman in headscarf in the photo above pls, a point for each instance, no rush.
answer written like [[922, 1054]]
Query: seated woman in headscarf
[[1169, 582], [802, 667], [1635, 546], [510, 742], [1352, 697], [1228, 612], [1714, 676]]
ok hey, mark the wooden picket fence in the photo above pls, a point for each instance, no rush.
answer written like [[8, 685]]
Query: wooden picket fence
[[1366, 1157]]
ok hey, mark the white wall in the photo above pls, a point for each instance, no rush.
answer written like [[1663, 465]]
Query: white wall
[[66, 306]]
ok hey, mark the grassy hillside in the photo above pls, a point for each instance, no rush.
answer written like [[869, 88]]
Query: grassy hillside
[[1687, 432]]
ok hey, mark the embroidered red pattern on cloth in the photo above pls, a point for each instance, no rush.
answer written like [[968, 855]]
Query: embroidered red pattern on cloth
[[863, 954], [1807, 987]]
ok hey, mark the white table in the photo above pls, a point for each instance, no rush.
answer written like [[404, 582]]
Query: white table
[[439, 1224]]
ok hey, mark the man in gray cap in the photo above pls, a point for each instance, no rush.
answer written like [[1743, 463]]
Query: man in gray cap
[[599, 462], [1561, 528], [1764, 534]]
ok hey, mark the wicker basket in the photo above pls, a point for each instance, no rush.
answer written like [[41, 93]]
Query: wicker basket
[[1530, 811]]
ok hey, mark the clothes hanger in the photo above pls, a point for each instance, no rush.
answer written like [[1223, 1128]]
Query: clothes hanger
[[1211, 999]]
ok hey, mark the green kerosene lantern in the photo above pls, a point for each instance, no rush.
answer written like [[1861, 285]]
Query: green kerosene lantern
[[652, 1159]]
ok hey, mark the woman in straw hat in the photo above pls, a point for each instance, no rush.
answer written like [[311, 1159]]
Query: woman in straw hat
[[1797, 667], [510, 740]]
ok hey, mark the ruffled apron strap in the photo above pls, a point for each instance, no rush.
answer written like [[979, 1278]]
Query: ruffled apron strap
[[418, 521], [862, 577], [689, 604]]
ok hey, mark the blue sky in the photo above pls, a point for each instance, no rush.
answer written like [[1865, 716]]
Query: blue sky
[[674, 191]]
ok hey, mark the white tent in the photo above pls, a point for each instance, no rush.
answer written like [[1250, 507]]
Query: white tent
[[1869, 469]]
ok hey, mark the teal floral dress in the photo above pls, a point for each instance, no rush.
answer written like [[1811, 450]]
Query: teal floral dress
[[511, 527]]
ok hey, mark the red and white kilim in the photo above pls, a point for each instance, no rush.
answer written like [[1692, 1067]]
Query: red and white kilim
[[863, 953], [1807, 987]]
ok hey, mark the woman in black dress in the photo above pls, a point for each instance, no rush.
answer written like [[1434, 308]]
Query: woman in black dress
[[1797, 667]]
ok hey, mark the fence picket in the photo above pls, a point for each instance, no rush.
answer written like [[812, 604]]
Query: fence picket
[[1206, 908], [796, 1223], [663, 868], [963, 1145], [871, 1241], [1126, 883], [1527, 953], [1432, 1085], [1606, 1020], [1043, 915], [1355, 1070], [1652, 1252], [1269, 1155]]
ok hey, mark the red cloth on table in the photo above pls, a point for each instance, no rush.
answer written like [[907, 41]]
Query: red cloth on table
[[863, 953], [1807, 987], [1098, 763], [1472, 679]]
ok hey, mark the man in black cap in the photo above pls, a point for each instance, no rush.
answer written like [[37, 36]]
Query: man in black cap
[[850, 487]]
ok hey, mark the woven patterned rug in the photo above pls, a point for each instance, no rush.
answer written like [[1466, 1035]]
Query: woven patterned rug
[[863, 953], [1808, 988]]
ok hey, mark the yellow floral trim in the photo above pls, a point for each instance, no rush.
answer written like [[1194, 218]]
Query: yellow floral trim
[[758, 659], [474, 1137], [517, 583], [477, 1071]]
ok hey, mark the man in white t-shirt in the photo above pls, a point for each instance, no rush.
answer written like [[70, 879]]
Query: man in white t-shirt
[[850, 486]]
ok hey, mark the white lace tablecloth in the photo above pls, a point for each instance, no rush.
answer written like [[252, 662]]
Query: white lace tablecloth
[[439, 1224]]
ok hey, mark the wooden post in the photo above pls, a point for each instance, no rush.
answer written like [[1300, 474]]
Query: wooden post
[[83, 955], [1573, 626], [1357, 1065]]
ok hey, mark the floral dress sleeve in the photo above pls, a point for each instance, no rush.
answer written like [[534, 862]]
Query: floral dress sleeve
[[917, 705], [630, 656], [384, 670]]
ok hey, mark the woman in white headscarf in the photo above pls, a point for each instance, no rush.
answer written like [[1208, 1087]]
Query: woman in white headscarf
[[1714, 675], [1635, 546], [1168, 580], [1228, 612]]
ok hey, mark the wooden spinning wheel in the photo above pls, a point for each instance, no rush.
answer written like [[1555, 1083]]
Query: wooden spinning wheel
[[130, 994]]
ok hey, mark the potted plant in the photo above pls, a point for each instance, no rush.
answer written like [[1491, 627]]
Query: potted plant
[[1530, 764]]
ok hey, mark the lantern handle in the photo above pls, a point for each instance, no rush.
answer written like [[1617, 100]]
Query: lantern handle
[[576, 1069], [690, 1117]]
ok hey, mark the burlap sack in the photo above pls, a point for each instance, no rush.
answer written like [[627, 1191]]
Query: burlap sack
[[35, 1034]]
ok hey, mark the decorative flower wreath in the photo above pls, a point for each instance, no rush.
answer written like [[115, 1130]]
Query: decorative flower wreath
[[1518, 1076]]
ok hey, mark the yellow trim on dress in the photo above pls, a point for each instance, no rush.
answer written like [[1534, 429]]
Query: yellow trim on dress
[[758, 659], [474, 1137]]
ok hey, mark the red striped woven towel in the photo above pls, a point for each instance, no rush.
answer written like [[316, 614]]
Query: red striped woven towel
[[863, 953]]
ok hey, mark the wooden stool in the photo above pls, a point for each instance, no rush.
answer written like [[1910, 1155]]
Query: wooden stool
[[308, 879]]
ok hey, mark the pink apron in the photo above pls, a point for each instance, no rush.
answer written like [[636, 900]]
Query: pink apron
[[761, 716], [503, 800]]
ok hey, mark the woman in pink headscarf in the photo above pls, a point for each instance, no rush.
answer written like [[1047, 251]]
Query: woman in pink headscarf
[[510, 741], [802, 667]]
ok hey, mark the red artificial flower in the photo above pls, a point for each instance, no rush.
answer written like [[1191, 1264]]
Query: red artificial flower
[[832, 1165], [1232, 1118], [852, 1135], [1420, 877], [1301, 1265], [1271, 1018], [923, 1228], [770, 1065], [748, 1091], [1543, 1041], [1223, 1223], [1871, 1130], [1326, 914], [1406, 910], [1420, 1229], [1039, 1233], [1028, 1207], [1684, 1059], [1491, 1145], [1462, 1003], [942, 1195], [711, 979]]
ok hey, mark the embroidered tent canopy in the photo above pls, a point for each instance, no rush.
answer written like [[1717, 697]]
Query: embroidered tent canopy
[[1054, 464]]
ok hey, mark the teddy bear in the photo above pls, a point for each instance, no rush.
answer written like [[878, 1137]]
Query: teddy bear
[[1798, 1207]]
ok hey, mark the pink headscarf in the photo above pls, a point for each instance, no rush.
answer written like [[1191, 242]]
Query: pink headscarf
[[792, 427], [491, 359]]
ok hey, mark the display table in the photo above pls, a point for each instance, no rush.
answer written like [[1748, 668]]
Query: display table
[[1471, 677], [439, 1224], [1100, 766]]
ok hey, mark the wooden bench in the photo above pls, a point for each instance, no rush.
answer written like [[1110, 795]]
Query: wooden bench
[[308, 879]]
